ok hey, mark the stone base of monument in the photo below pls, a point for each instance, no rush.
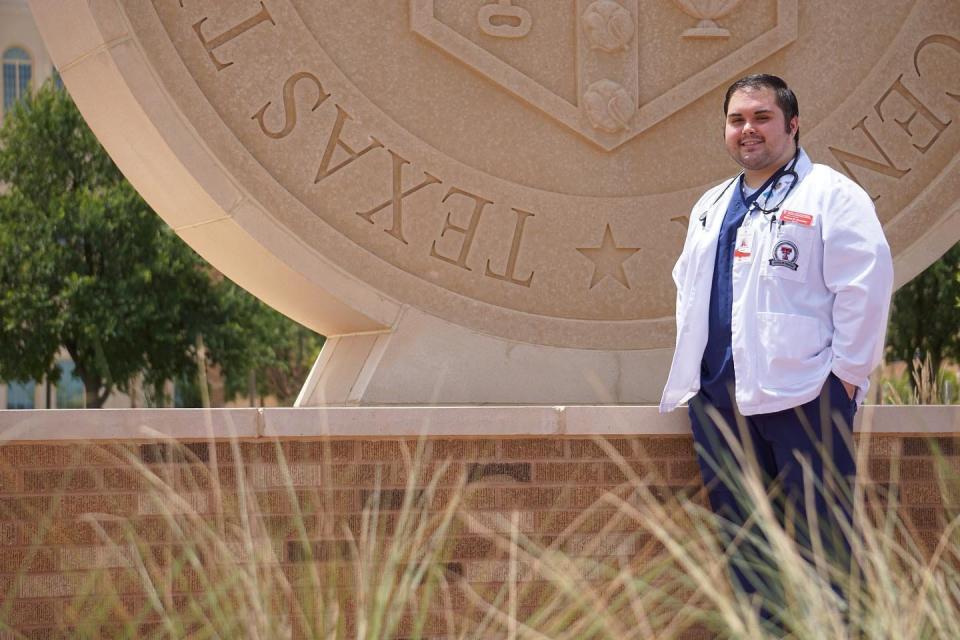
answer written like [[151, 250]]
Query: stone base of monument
[[424, 360]]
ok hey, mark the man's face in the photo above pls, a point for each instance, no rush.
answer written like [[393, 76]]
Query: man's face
[[756, 133]]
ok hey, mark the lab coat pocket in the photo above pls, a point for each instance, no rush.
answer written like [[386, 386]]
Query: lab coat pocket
[[791, 253], [789, 345]]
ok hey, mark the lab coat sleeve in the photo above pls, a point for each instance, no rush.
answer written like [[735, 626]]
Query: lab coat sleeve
[[858, 269]]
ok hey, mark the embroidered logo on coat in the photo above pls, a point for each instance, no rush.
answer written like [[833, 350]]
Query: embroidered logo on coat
[[785, 254]]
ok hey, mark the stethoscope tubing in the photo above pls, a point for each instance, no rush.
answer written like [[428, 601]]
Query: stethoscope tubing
[[787, 170]]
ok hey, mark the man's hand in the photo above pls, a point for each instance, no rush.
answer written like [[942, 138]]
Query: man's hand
[[851, 389]]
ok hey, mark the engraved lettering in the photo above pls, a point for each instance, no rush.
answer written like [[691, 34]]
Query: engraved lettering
[[509, 273], [335, 141], [937, 38], [396, 230], [845, 158], [289, 104], [469, 232], [918, 109], [225, 37]]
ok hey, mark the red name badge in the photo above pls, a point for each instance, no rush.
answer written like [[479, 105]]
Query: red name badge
[[795, 216]]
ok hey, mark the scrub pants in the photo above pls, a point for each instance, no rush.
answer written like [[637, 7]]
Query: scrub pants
[[820, 431]]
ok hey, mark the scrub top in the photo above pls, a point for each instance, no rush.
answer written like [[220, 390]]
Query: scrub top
[[716, 368]]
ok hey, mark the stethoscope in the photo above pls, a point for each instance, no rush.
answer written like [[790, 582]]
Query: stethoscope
[[787, 171]]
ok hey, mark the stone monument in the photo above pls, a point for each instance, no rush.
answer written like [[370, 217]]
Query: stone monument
[[481, 201]]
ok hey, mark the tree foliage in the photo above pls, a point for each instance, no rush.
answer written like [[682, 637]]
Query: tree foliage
[[87, 265], [925, 319]]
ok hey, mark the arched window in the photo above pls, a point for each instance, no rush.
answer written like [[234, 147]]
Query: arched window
[[17, 72]]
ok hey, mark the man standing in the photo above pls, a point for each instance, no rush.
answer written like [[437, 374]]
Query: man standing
[[783, 288]]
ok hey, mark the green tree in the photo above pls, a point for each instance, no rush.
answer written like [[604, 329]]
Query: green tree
[[925, 318], [85, 263], [266, 354]]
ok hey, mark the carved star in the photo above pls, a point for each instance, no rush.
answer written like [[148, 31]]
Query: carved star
[[608, 259]]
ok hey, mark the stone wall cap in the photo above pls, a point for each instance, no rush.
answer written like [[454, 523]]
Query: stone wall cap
[[407, 421]]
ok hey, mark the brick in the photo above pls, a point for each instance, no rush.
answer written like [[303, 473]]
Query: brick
[[884, 446], [588, 449], [58, 532], [282, 527], [912, 493], [47, 585], [570, 472], [878, 469], [28, 560], [119, 504], [462, 449], [608, 544], [483, 521], [30, 612], [9, 480], [925, 517], [528, 497], [106, 455], [319, 551], [668, 447], [79, 558], [123, 480], [39, 455], [56, 480], [388, 499], [495, 571], [615, 473], [8, 534], [583, 521], [180, 452], [917, 469], [324, 500], [388, 450], [152, 529], [473, 548], [452, 473], [687, 470], [262, 476], [531, 449], [476, 496], [320, 450], [187, 579], [25, 507], [153, 503], [515, 471], [358, 474], [914, 446]]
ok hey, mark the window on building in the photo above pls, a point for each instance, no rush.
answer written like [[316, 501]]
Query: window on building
[[20, 395], [70, 391], [17, 73], [57, 80]]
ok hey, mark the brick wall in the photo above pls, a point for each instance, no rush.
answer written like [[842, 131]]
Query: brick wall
[[72, 513]]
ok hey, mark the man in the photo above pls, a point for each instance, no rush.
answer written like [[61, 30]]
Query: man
[[783, 288]]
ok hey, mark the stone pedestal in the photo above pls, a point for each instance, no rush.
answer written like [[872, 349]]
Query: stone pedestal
[[425, 360]]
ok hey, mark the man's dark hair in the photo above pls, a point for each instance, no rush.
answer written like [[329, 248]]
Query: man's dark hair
[[786, 98]]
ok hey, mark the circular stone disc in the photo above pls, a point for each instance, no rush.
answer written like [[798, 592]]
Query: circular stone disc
[[521, 168]]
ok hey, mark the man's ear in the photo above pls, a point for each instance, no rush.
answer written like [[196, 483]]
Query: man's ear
[[794, 125]]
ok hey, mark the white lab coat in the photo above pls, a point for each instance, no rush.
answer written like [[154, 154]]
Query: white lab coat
[[818, 304]]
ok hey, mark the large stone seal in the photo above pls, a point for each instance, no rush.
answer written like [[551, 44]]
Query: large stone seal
[[482, 202]]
